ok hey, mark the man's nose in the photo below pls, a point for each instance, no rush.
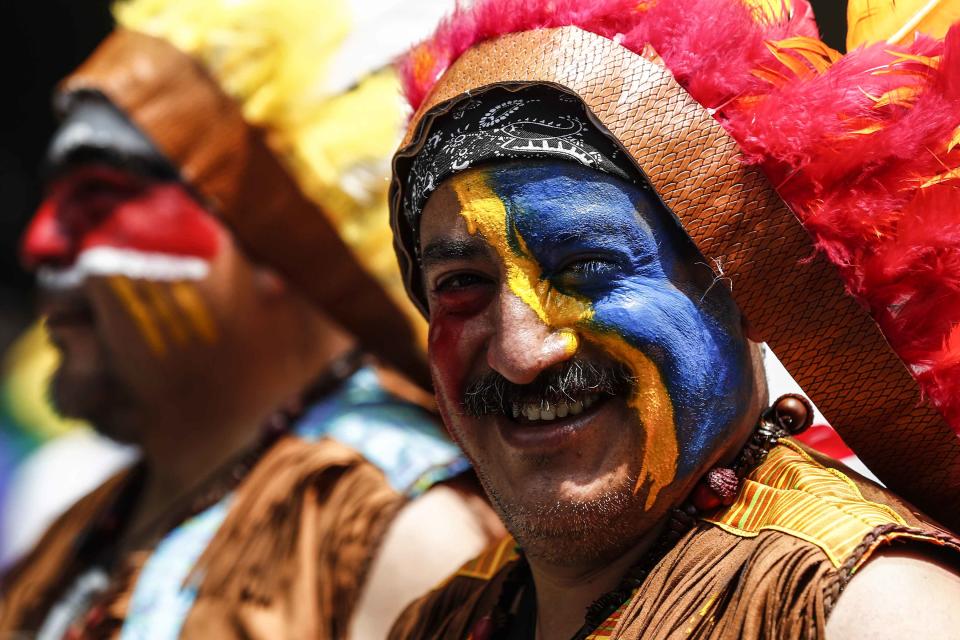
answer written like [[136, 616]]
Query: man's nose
[[524, 345], [46, 241]]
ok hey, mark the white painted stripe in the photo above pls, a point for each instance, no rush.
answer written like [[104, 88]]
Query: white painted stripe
[[113, 261]]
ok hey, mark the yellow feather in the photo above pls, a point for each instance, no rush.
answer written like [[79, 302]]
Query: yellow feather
[[901, 96], [865, 131], [816, 51], [801, 55], [896, 21], [769, 75], [954, 141], [771, 10], [901, 57], [953, 174], [798, 68]]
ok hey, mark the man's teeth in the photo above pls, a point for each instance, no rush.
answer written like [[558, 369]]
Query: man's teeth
[[551, 411]]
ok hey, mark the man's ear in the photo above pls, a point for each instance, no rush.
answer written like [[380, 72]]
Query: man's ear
[[749, 331], [269, 283]]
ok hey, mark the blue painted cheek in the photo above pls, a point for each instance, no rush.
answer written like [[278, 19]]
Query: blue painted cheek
[[700, 366]]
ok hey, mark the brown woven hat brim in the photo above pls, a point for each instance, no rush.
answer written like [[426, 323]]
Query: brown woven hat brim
[[202, 131], [794, 299]]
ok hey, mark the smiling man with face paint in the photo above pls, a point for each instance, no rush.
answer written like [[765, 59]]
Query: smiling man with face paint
[[576, 321], [291, 485], [597, 265]]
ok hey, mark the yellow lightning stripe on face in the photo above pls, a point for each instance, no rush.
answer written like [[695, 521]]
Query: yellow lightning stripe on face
[[190, 302], [652, 403], [167, 314], [123, 288], [485, 213]]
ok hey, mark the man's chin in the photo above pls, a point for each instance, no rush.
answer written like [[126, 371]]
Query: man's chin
[[93, 399], [567, 530]]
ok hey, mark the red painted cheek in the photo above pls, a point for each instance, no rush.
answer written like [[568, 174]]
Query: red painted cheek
[[451, 345], [451, 351], [444, 351], [162, 219]]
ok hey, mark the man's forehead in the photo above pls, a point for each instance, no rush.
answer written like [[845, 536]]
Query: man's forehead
[[444, 234], [553, 200]]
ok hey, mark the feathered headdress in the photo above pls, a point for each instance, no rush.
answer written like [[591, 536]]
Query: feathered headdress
[[282, 116], [863, 148]]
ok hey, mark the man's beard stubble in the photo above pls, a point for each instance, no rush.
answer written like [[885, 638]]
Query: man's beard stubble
[[572, 532]]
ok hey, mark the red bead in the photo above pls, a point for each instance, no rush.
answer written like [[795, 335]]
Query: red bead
[[482, 629], [704, 498], [724, 483]]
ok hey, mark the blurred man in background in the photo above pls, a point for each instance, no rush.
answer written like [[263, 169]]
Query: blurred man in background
[[288, 485]]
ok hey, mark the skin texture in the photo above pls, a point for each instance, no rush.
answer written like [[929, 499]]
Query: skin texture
[[462, 525], [529, 265], [898, 594]]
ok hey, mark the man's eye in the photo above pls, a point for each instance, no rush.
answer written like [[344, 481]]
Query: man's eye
[[586, 274], [459, 281]]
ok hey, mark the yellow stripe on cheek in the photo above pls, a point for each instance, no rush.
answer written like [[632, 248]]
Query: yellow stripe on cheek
[[484, 212], [186, 296], [164, 308], [123, 288], [652, 403]]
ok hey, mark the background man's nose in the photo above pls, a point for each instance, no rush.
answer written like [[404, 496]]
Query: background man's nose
[[45, 240], [523, 345]]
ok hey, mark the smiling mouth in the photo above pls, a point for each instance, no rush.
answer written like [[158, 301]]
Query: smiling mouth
[[546, 427], [544, 411]]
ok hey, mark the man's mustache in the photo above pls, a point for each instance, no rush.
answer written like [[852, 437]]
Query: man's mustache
[[492, 394]]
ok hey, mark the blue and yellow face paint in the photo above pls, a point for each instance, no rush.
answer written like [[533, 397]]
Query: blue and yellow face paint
[[595, 260]]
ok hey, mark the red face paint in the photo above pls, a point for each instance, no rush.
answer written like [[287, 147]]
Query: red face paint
[[105, 207], [450, 341]]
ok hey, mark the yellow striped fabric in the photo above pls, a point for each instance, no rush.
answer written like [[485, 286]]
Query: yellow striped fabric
[[792, 493], [486, 565]]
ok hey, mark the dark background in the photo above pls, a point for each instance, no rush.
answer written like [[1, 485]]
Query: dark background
[[43, 40]]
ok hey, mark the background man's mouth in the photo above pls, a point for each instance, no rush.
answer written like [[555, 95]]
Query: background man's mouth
[[68, 312]]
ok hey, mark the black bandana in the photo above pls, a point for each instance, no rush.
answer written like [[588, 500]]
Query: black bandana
[[538, 122]]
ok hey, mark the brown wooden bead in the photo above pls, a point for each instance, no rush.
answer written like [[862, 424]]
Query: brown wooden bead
[[794, 413]]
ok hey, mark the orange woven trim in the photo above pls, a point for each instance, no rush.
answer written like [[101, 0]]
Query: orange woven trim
[[886, 537], [792, 493], [606, 628]]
